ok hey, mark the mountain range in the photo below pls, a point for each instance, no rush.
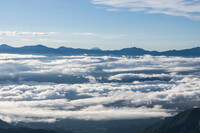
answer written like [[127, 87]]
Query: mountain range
[[41, 49]]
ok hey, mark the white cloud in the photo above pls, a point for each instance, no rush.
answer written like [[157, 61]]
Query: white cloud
[[100, 35], [56, 41], [185, 8], [19, 33], [12, 111], [19, 56], [85, 34], [48, 102], [94, 85], [113, 10], [138, 76]]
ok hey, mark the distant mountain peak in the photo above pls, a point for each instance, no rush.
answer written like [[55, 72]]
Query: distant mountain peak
[[133, 48], [5, 46], [41, 46], [95, 48], [63, 47]]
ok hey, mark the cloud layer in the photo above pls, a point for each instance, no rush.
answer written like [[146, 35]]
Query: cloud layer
[[185, 8], [42, 88]]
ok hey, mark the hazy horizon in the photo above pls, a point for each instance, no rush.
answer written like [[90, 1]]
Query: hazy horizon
[[99, 47]]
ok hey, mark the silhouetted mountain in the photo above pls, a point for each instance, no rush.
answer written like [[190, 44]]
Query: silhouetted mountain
[[95, 48], [37, 49], [185, 52], [40, 49], [5, 46], [133, 51], [184, 122]]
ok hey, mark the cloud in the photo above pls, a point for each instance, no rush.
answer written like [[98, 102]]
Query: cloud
[[17, 113], [80, 87], [48, 102], [19, 56], [141, 77], [100, 35], [19, 33], [185, 8], [56, 41], [82, 69], [113, 10], [85, 34]]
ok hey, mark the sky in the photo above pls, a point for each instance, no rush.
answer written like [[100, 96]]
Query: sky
[[107, 24]]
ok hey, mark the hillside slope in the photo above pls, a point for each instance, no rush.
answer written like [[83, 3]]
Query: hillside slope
[[184, 122], [7, 128]]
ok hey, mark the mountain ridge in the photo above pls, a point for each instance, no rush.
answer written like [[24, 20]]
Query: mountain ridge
[[132, 51], [185, 122]]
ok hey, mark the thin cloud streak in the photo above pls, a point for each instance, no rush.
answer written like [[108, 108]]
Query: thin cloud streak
[[89, 34], [184, 8], [19, 33]]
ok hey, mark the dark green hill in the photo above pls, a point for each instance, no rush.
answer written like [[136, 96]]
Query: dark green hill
[[184, 122]]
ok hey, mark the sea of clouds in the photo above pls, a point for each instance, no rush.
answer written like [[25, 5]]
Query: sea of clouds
[[47, 88]]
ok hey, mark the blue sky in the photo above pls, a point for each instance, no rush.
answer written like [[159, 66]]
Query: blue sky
[[107, 24]]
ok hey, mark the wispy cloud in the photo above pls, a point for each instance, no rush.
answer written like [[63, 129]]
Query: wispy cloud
[[185, 8], [113, 10], [100, 35], [85, 34], [19, 33], [52, 40]]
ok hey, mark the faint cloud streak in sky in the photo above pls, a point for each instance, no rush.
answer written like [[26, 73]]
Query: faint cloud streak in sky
[[185, 8], [19, 33]]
